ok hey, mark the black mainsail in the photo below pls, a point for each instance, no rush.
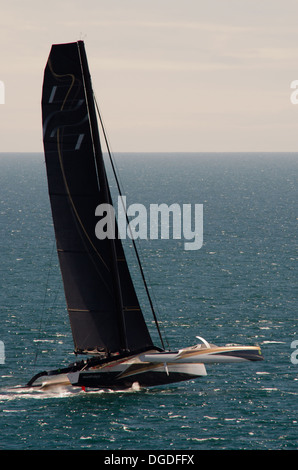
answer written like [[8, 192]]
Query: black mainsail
[[103, 308]]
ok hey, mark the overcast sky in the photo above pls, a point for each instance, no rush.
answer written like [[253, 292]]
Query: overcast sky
[[169, 75]]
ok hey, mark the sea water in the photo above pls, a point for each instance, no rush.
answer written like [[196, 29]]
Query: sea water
[[239, 287]]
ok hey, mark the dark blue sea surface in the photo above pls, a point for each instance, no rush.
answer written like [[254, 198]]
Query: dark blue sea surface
[[240, 287]]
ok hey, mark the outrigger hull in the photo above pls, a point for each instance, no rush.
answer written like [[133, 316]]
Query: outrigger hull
[[148, 369]]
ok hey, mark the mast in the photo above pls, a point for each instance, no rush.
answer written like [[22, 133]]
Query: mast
[[103, 185]]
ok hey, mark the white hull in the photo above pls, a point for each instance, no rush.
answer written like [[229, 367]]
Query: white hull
[[206, 355], [148, 369]]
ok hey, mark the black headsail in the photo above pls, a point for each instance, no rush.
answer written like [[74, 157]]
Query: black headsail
[[104, 311]]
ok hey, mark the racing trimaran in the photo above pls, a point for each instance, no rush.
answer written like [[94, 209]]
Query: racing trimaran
[[107, 323]]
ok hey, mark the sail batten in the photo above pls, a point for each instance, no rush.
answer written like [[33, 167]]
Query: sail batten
[[99, 292]]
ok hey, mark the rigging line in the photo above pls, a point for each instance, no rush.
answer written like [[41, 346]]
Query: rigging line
[[133, 241], [137, 247]]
